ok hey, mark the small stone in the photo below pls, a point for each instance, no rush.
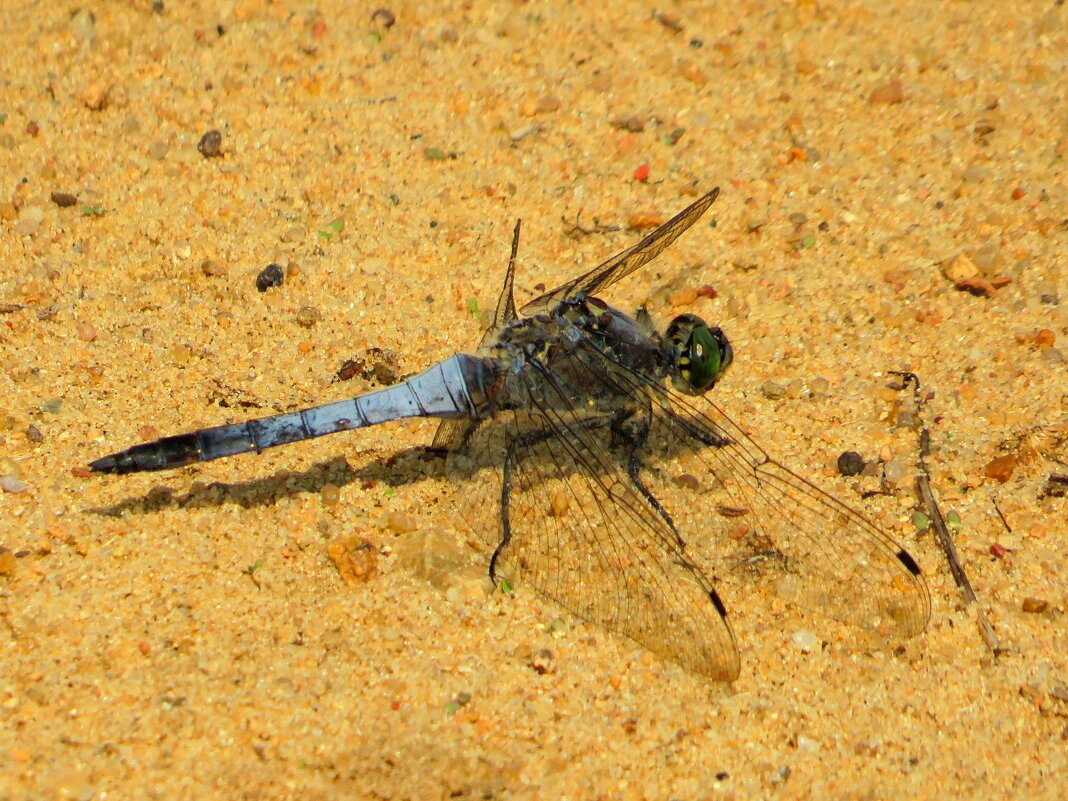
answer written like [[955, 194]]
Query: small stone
[[157, 151], [86, 332], [891, 92], [850, 463], [212, 268], [307, 316], [894, 472], [1034, 606], [819, 388], [383, 19], [960, 268], [13, 485], [806, 745], [547, 104], [63, 199], [355, 558], [52, 406], [805, 640], [683, 297], [294, 233], [643, 222], [330, 494], [772, 390], [1000, 468], [688, 480], [399, 522], [542, 662], [83, 25], [30, 219], [270, 276], [34, 435], [210, 144]]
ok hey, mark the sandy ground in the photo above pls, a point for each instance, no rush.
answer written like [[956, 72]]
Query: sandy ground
[[189, 634]]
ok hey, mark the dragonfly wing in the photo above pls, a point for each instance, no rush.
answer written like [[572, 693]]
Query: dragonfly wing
[[623, 264], [565, 518], [829, 557]]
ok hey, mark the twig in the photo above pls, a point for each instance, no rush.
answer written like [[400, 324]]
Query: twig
[[945, 539]]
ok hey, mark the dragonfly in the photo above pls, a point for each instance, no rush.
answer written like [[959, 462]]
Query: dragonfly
[[571, 422]]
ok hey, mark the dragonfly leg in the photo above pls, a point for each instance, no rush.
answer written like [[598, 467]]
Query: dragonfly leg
[[630, 430], [524, 441]]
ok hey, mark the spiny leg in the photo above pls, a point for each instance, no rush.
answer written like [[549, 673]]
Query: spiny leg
[[630, 431], [524, 441]]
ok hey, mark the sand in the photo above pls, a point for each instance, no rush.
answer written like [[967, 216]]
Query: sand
[[310, 622]]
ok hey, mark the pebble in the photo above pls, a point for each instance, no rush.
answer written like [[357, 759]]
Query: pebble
[[8, 562], [13, 485], [86, 332], [894, 471], [330, 494], [212, 268], [542, 662], [399, 522], [683, 297], [30, 219], [307, 316], [806, 745], [157, 151], [210, 144], [356, 559], [891, 92], [1034, 606], [52, 406], [850, 463], [805, 640], [63, 199], [772, 390], [270, 276], [819, 388], [1000, 468], [83, 25]]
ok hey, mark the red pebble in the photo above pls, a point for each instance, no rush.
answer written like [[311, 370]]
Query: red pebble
[[642, 173]]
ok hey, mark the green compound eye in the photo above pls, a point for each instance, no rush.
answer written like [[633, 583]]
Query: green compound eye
[[704, 353], [704, 358]]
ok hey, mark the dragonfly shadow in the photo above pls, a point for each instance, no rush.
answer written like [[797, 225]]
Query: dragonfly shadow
[[403, 467]]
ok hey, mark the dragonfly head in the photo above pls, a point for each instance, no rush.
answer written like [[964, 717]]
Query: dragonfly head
[[701, 354]]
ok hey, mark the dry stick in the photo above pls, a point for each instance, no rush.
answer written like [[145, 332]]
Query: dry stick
[[945, 540]]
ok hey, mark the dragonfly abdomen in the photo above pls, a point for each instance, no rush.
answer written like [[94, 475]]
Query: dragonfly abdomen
[[455, 387]]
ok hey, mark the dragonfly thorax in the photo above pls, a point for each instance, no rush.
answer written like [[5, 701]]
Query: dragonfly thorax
[[702, 354]]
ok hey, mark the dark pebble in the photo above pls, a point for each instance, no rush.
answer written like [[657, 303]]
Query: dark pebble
[[850, 463], [64, 199], [33, 433], [271, 275], [384, 17], [210, 145]]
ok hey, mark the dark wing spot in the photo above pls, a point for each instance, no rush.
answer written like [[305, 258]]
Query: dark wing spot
[[910, 564], [717, 602]]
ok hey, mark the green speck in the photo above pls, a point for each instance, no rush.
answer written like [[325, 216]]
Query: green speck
[[434, 153], [3, 117], [808, 241], [451, 708], [374, 37], [52, 406], [335, 227], [953, 521], [506, 586], [472, 306], [388, 492], [251, 569], [556, 626], [394, 199], [921, 521], [93, 211]]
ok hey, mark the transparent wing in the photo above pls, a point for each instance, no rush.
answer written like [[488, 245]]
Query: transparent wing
[[563, 517], [817, 552], [623, 264]]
